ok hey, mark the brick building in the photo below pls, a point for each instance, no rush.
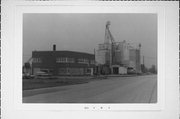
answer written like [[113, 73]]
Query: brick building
[[63, 62]]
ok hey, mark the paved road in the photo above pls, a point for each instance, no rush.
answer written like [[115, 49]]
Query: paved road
[[139, 89]]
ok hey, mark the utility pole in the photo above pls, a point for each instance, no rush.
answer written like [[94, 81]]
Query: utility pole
[[143, 60], [94, 69], [139, 58], [143, 66]]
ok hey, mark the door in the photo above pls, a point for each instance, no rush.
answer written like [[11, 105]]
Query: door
[[115, 70]]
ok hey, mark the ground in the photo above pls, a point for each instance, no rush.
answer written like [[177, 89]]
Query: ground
[[136, 89]]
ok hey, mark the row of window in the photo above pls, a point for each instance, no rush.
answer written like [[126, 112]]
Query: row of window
[[75, 71], [37, 60], [83, 61], [66, 60], [72, 60]]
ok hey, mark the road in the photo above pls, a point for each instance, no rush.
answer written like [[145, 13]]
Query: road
[[136, 89]]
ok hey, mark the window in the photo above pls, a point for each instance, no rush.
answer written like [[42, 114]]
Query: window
[[92, 62], [65, 60], [83, 61], [37, 60], [87, 70], [61, 60], [70, 60]]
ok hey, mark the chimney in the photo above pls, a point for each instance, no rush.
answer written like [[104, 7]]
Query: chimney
[[54, 47]]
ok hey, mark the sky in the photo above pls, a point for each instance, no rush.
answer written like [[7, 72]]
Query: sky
[[84, 31]]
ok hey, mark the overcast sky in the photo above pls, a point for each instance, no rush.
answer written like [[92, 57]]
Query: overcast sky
[[83, 32]]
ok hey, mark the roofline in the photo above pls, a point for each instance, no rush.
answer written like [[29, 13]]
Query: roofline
[[64, 51]]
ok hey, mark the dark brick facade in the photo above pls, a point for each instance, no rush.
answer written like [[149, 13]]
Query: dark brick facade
[[48, 60]]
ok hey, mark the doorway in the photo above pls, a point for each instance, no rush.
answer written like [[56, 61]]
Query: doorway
[[115, 70]]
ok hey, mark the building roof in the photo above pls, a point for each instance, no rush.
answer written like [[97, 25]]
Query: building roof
[[63, 53]]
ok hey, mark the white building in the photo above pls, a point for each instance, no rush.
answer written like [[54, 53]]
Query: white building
[[119, 56]]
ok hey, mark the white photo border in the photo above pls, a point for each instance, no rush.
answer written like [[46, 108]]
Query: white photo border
[[87, 7]]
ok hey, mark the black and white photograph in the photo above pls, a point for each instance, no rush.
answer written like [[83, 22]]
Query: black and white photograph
[[89, 58]]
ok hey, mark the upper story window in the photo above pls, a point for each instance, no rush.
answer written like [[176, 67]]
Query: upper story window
[[64, 60], [83, 61], [70, 60], [37, 60], [92, 62], [61, 60]]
